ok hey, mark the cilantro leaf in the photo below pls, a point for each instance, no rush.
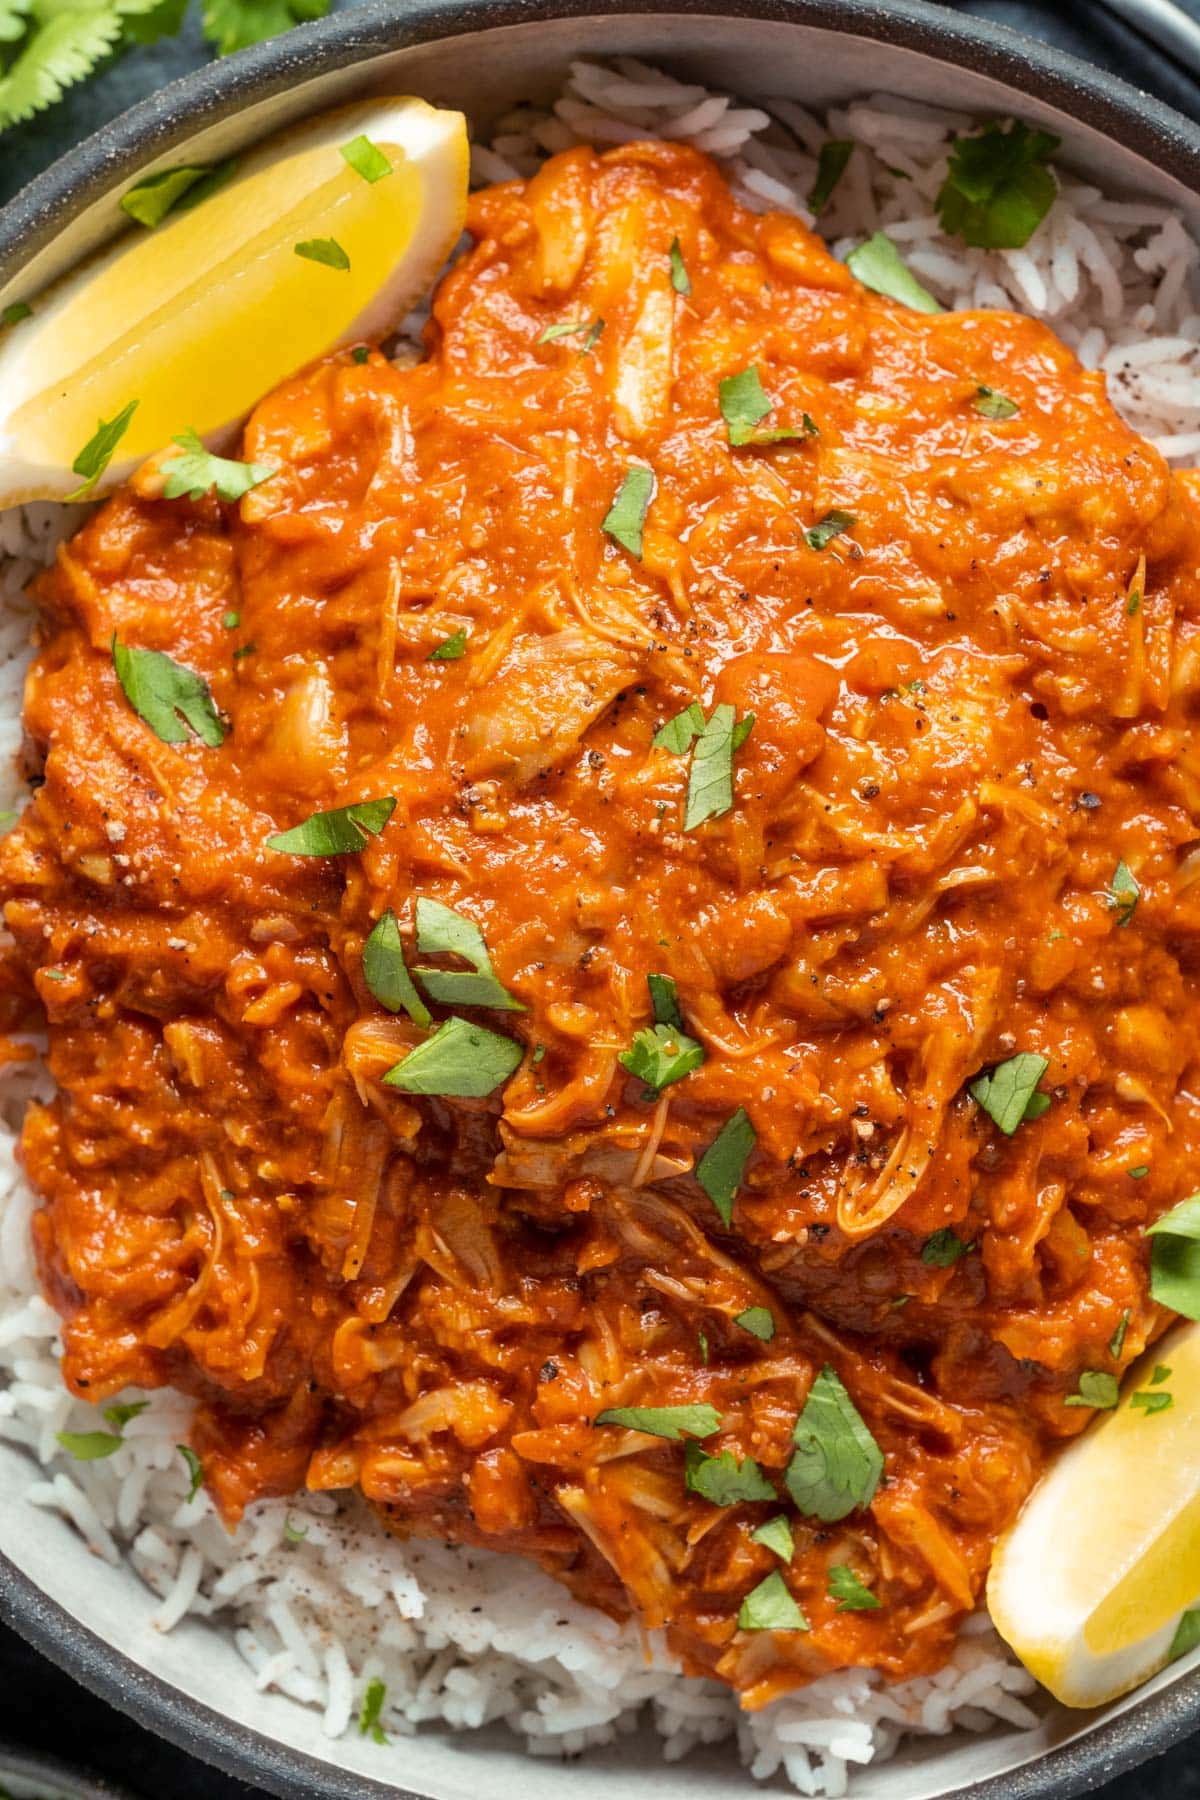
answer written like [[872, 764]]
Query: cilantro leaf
[[673, 1422], [831, 166], [1008, 1093], [1161, 1374], [1151, 1403], [681, 281], [323, 250], [660, 1055], [990, 403], [97, 453], [366, 159], [723, 1479], [851, 1594], [1123, 893], [626, 517], [150, 200], [680, 733], [818, 536], [1187, 1635], [776, 1535], [195, 1469], [451, 648], [171, 699], [370, 1711], [879, 266], [89, 1446], [231, 25], [664, 999], [1117, 1341], [723, 1164], [52, 55], [837, 1464], [592, 328], [710, 780], [196, 472], [15, 313], [443, 932], [386, 973], [744, 403], [119, 1416], [942, 1248], [1097, 1389], [998, 188], [759, 1321], [461, 1061], [343, 832], [770, 1607], [1175, 1258]]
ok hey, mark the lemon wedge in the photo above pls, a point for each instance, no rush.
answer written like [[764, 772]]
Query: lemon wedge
[[1089, 1585], [199, 317]]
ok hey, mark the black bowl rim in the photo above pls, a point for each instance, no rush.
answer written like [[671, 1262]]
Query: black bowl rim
[[1113, 107]]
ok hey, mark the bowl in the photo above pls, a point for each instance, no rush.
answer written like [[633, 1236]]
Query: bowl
[[24, 1777], [482, 55]]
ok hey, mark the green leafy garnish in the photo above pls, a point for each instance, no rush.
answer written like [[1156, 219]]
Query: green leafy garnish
[[1117, 1342], [1096, 1389], [770, 1607], [992, 404], [231, 621], [323, 250], [15, 312], [849, 1592], [1123, 893], [681, 281], [171, 699], [660, 1055], [461, 1061], [664, 1000], [673, 1422], [231, 25], [723, 1164], [1133, 605], [370, 1711], [196, 472], [49, 45], [702, 1341], [1161, 1374], [831, 166], [89, 1446], [591, 327], [1151, 1403], [451, 648], [1139, 1172], [343, 832], [837, 1464], [195, 1469], [1175, 1258], [626, 517], [776, 1535], [97, 453], [710, 781], [943, 1248], [366, 159], [723, 1479], [759, 1321], [443, 932], [1187, 1635], [118, 1416], [680, 733], [998, 189], [744, 402], [386, 973], [150, 200], [879, 266], [818, 536], [1008, 1093]]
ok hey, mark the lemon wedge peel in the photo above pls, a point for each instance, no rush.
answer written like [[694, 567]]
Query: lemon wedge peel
[[200, 317], [1089, 1585]]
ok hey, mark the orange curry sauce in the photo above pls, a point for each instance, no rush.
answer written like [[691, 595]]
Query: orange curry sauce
[[969, 707]]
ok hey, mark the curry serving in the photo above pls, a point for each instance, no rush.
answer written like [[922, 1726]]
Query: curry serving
[[643, 1015]]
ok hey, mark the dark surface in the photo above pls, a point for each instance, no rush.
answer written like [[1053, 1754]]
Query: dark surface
[[42, 1709]]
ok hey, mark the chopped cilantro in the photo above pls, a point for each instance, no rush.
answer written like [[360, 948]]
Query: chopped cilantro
[[673, 1422], [118, 1416], [759, 1321], [998, 188], [1187, 1635], [591, 327], [943, 1248], [710, 780], [343, 832], [196, 473], [1008, 1093], [366, 159], [195, 1469], [744, 403], [660, 1055], [992, 404], [172, 700], [323, 250], [1133, 605], [231, 621], [664, 1000], [360, 354], [723, 1479], [1161, 1373], [15, 313], [680, 733], [1097, 1389], [1123, 893], [851, 1594], [443, 932], [770, 1607], [831, 166], [451, 648], [1117, 1342], [89, 1446], [1175, 1258], [776, 1536], [371, 1710], [1152, 1403], [837, 1465], [386, 973], [461, 1061], [1139, 1172], [97, 453], [720, 1170], [150, 200], [879, 266], [818, 536], [626, 517], [681, 281]]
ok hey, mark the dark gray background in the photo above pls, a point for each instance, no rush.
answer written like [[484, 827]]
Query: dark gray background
[[39, 1708]]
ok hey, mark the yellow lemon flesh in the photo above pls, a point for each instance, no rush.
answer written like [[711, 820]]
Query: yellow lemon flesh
[[198, 318], [1089, 1585]]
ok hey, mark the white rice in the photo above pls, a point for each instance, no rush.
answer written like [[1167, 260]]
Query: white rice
[[467, 1638]]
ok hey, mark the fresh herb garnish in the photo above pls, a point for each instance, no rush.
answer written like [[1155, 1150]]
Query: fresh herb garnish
[[443, 932], [942, 1248], [461, 1061], [998, 189], [1175, 1258], [15, 313], [851, 1594], [992, 404], [702, 1342], [818, 536], [744, 402], [710, 780], [323, 250], [118, 1416], [592, 328], [1097, 1389], [680, 733], [371, 1710], [1123, 893], [196, 472], [723, 1164], [235, 24], [231, 621], [451, 648], [1008, 1093], [1161, 1373], [879, 266], [1117, 1342], [660, 1055], [664, 1001], [366, 159], [673, 1422], [89, 1446], [831, 166], [837, 1465], [1152, 1403], [770, 1607], [681, 281], [386, 973], [1133, 605], [171, 699], [195, 1469], [723, 1479], [759, 1321], [343, 832], [97, 453], [776, 1535], [1187, 1635], [626, 517], [1139, 1172], [149, 201]]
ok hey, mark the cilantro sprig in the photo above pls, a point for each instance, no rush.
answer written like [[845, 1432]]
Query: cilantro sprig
[[837, 1464], [1175, 1258], [720, 1170], [461, 1060], [998, 187], [197, 473], [343, 832], [173, 701], [1009, 1093], [770, 1607], [443, 932], [723, 1479], [879, 266], [98, 452], [671, 1422]]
